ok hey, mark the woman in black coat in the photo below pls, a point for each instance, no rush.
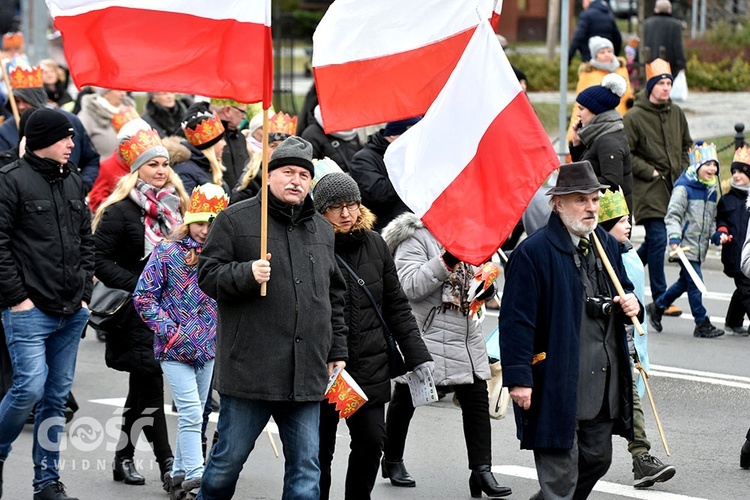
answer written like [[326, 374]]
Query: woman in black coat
[[337, 197], [599, 135], [145, 207]]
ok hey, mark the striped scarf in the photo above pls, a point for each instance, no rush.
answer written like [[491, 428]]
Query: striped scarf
[[161, 212]]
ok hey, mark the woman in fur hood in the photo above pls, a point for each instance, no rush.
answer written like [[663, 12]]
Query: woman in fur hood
[[437, 286], [337, 198]]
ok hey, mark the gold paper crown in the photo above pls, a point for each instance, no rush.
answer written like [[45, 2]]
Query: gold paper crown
[[13, 41], [282, 123], [206, 201], [742, 155], [227, 102], [137, 144], [657, 67], [612, 205], [208, 128], [124, 116], [26, 78], [703, 153]]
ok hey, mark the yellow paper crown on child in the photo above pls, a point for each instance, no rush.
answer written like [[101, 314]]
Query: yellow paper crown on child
[[206, 201], [203, 130], [658, 67], [124, 116], [282, 123], [702, 153], [742, 155], [612, 205], [26, 78]]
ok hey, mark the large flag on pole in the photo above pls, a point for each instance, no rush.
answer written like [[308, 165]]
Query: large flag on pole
[[495, 17], [386, 60], [469, 168], [219, 48]]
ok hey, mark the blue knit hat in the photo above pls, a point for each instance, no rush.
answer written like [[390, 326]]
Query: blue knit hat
[[604, 97]]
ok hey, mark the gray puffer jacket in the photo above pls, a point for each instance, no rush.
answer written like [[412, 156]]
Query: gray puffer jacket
[[456, 342]]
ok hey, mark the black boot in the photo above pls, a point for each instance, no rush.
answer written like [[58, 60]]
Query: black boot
[[744, 456], [123, 469], [482, 480], [165, 467], [54, 491], [397, 473]]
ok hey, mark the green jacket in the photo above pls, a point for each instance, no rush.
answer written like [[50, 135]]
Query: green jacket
[[659, 140]]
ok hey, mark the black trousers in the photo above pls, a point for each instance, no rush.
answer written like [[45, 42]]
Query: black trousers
[[739, 305], [474, 411], [367, 431], [144, 411]]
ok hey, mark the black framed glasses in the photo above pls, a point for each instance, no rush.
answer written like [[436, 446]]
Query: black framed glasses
[[352, 206]]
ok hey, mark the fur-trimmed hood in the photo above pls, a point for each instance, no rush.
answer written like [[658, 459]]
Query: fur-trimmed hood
[[178, 152], [365, 221], [401, 229]]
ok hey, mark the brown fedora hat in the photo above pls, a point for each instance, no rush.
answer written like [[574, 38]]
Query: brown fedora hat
[[576, 177]]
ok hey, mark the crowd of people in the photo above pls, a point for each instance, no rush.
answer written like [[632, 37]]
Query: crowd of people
[[163, 211]]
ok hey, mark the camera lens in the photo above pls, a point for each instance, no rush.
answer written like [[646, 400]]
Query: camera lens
[[607, 308]]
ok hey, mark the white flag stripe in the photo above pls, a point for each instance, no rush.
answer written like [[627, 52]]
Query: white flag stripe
[[355, 30], [481, 86], [250, 11]]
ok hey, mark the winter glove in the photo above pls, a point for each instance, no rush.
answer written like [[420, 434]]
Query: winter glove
[[424, 370], [450, 260], [716, 238]]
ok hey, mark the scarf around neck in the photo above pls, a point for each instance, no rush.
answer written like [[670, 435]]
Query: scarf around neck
[[456, 288], [603, 123], [610, 66], [161, 209]]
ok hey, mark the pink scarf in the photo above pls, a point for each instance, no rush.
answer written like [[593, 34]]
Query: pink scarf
[[162, 212]]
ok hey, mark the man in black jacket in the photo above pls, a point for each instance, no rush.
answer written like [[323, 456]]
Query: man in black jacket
[[595, 20], [274, 352], [663, 30], [46, 267]]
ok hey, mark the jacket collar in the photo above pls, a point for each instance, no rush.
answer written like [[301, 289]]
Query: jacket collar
[[559, 236], [285, 212]]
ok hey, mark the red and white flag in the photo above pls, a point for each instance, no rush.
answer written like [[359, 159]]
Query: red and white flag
[[219, 48], [386, 60], [495, 17], [469, 168]]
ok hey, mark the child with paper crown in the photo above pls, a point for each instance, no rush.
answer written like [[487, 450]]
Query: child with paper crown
[[691, 224], [731, 219], [614, 217], [183, 319]]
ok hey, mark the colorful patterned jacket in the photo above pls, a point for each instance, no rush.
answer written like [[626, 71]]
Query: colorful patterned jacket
[[170, 302]]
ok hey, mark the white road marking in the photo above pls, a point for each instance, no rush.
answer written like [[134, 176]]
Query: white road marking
[[701, 376], [601, 486]]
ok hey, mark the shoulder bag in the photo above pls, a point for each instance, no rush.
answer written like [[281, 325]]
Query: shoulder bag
[[108, 307]]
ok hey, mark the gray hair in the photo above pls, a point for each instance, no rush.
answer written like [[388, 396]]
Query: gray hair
[[663, 7]]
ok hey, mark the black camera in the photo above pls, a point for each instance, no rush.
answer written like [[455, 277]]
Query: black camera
[[599, 307]]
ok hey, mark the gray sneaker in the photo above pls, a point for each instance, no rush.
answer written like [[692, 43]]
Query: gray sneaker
[[648, 470], [191, 487]]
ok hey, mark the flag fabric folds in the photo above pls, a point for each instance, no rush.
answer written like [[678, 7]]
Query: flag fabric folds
[[495, 17], [386, 60], [218, 49], [469, 168]]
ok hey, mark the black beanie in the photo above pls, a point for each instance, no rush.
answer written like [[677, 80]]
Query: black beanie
[[293, 151], [45, 127], [740, 166]]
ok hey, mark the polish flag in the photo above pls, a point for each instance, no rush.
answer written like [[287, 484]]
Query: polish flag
[[219, 48], [386, 60], [469, 168], [495, 17]]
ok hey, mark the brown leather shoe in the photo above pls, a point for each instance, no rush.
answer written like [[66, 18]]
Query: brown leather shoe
[[672, 310]]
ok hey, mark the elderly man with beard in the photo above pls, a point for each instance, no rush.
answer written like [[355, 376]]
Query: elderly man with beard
[[562, 335]]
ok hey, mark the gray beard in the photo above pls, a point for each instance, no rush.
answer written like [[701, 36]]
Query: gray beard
[[575, 226]]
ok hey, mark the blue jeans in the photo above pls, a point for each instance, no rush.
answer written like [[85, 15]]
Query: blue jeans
[[190, 387], [652, 251], [43, 349], [240, 423], [685, 283]]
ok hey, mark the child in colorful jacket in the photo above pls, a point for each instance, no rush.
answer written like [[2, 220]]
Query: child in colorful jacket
[[183, 319], [691, 222]]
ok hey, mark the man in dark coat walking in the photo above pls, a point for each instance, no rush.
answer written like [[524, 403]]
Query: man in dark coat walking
[[663, 30], [562, 335], [275, 352], [595, 20]]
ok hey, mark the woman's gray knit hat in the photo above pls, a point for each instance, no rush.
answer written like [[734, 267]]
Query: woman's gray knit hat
[[333, 188]]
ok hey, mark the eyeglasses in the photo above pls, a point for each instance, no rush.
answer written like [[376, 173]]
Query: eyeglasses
[[352, 206], [238, 109]]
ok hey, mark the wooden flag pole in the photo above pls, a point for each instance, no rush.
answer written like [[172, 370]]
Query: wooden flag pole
[[11, 97], [264, 198], [615, 280]]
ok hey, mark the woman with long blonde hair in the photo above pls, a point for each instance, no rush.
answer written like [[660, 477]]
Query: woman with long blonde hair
[[145, 207], [204, 138]]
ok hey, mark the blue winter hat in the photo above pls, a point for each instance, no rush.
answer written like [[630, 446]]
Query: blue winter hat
[[601, 98], [399, 127]]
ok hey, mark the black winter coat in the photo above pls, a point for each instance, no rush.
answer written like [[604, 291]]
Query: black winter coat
[[662, 30], [597, 20], [732, 214], [378, 194], [119, 263], [338, 150], [46, 247], [368, 256], [609, 154], [166, 121], [196, 171], [235, 155]]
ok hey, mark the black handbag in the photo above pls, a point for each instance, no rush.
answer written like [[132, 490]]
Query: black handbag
[[108, 307], [396, 365]]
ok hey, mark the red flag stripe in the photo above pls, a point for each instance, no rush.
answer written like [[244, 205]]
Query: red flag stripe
[[147, 50], [494, 177]]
